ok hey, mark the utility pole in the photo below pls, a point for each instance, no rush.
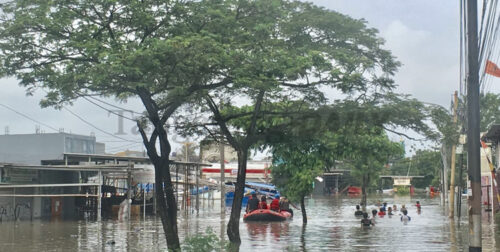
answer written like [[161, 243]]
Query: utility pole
[[222, 179], [460, 187], [473, 145], [444, 175], [453, 149]]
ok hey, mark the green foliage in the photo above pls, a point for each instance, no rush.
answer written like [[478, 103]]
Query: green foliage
[[447, 130], [295, 166], [490, 110], [164, 52], [290, 51], [367, 148], [110, 48], [425, 163], [207, 242], [402, 190]]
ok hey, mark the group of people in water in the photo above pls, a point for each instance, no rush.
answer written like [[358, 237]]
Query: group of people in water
[[385, 210], [278, 204]]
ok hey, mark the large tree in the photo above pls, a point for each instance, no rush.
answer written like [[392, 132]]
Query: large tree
[[294, 53], [366, 149], [163, 52], [296, 164]]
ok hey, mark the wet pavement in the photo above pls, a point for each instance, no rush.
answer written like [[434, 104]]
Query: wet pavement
[[331, 227]]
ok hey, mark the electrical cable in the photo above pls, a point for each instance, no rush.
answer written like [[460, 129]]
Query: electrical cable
[[110, 104], [29, 118], [111, 111], [489, 43], [95, 127]]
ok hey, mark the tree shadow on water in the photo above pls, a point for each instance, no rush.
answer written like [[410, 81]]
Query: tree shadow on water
[[303, 238]]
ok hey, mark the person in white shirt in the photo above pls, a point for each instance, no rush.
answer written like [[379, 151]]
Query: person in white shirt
[[405, 218]]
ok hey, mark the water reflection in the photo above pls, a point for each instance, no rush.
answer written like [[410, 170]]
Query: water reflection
[[303, 238], [331, 227]]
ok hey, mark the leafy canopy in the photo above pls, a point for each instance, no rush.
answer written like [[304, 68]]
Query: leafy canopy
[[295, 166], [167, 49]]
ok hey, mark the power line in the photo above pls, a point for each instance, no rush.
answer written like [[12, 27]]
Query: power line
[[95, 127], [112, 105], [111, 111], [28, 117]]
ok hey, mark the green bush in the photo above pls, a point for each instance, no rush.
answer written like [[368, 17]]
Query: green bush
[[402, 189], [206, 242]]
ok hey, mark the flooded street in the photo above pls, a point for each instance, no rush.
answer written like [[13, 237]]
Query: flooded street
[[332, 227]]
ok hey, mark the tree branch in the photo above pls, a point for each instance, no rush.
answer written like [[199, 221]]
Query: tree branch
[[222, 124], [403, 134]]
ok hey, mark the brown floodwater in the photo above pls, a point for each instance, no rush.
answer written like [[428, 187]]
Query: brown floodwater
[[331, 227]]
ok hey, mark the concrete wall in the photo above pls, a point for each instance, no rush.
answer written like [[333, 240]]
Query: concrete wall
[[100, 148], [32, 148], [20, 208], [68, 203]]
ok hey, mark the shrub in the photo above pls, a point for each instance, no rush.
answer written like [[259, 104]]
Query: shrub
[[204, 242]]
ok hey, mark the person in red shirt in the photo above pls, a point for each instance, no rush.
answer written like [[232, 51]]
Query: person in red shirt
[[263, 203], [275, 204]]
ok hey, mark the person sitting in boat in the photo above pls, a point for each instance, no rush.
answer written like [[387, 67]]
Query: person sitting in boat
[[253, 203], [358, 211], [263, 203], [365, 222], [275, 204], [394, 208], [285, 205]]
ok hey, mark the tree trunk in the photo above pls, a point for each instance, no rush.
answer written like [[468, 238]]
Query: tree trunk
[[165, 197], [233, 226], [363, 191], [167, 203], [303, 209], [303, 238], [163, 184]]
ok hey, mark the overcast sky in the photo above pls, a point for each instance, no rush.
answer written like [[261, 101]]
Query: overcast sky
[[422, 34]]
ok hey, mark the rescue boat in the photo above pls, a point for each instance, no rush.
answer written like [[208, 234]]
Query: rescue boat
[[267, 215]]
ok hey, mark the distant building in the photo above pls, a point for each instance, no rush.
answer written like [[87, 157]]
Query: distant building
[[32, 148], [257, 171], [211, 153], [131, 153]]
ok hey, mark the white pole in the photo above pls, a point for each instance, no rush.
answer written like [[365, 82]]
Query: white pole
[[144, 202], [14, 203], [99, 193], [222, 179]]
